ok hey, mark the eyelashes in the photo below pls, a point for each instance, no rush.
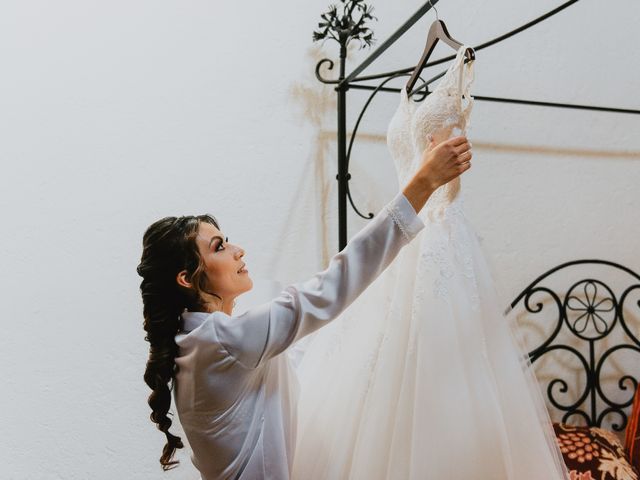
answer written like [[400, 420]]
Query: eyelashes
[[226, 240]]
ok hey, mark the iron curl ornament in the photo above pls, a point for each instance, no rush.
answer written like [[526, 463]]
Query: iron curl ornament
[[342, 25]]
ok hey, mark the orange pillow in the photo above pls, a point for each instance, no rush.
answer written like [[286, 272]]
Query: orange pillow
[[632, 435]]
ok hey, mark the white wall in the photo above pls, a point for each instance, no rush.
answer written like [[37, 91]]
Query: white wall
[[114, 114]]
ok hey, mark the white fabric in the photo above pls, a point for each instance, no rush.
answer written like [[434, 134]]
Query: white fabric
[[421, 378], [235, 394]]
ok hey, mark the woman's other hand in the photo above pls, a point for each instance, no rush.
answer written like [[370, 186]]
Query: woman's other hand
[[443, 162], [440, 164]]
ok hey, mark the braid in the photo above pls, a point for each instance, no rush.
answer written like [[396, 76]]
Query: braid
[[161, 325], [168, 248]]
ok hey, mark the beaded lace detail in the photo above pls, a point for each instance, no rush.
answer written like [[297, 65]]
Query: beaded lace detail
[[443, 114], [396, 214]]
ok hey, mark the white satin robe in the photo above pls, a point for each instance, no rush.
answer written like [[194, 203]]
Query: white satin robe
[[235, 394]]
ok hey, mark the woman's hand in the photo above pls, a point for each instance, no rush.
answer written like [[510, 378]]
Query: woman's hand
[[440, 164], [443, 162]]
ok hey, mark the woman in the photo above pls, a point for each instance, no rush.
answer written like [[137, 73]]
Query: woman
[[235, 395]]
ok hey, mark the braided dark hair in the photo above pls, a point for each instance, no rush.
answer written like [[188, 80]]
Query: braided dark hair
[[168, 247]]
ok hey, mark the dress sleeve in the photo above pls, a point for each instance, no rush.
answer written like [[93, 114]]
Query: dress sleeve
[[268, 329]]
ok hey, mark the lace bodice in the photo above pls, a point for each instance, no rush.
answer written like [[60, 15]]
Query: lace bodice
[[443, 114]]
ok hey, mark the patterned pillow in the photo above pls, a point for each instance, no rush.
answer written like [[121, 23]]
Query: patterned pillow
[[632, 436], [593, 454]]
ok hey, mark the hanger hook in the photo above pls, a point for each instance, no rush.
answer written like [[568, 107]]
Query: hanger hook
[[434, 7]]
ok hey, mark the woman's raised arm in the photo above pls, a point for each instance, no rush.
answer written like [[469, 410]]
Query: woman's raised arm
[[268, 329], [301, 308]]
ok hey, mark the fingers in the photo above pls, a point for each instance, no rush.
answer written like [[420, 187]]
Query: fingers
[[458, 144], [453, 155], [464, 147], [464, 157], [457, 141]]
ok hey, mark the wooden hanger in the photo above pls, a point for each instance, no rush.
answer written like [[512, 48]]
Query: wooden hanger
[[437, 31]]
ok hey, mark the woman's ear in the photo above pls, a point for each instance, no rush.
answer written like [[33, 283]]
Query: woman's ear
[[181, 278]]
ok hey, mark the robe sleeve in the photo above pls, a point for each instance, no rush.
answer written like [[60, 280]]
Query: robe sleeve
[[268, 329]]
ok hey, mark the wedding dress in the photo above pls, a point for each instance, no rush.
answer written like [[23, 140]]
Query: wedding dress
[[421, 377]]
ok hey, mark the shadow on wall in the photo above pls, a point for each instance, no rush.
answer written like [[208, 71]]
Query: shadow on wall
[[314, 103]]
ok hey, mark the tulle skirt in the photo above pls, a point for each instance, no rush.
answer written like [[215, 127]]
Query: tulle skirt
[[422, 378]]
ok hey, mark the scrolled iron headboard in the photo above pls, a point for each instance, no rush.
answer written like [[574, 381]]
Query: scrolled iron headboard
[[588, 312]]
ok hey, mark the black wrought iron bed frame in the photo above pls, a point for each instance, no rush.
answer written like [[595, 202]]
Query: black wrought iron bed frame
[[580, 313]]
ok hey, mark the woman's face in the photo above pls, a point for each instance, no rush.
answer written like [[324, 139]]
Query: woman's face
[[222, 262]]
